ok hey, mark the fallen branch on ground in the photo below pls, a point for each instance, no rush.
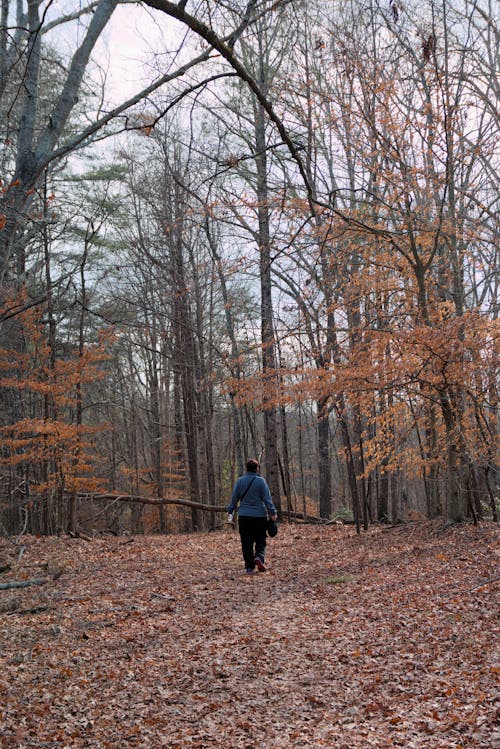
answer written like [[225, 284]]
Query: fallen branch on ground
[[159, 501], [22, 583], [153, 501], [481, 585]]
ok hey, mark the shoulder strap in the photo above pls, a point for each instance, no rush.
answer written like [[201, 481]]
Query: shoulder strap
[[247, 488]]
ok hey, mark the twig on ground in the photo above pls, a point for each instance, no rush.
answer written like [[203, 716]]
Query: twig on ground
[[34, 610], [160, 595], [481, 585], [22, 583]]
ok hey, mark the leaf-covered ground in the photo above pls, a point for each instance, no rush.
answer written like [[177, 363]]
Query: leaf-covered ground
[[386, 640]]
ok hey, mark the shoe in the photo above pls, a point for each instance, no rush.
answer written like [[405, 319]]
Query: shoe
[[260, 564], [250, 571]]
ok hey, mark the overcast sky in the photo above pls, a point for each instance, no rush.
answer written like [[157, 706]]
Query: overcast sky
[[131, 44], [126, 49]]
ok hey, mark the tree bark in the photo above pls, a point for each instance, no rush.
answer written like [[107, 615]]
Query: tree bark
[[267, 324], [324, 459]]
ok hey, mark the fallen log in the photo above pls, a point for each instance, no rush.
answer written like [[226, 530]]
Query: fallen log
[[152, 500], [159, 501], [184, 502]]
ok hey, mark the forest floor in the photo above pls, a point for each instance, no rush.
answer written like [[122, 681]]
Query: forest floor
[[389, 639]]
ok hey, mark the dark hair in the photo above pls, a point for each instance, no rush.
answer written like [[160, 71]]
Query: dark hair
[[252, 465]]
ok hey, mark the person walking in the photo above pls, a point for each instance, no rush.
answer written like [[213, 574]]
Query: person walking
[[252, 494]]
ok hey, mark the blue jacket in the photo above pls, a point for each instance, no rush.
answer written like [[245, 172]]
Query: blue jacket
[[257, 502]]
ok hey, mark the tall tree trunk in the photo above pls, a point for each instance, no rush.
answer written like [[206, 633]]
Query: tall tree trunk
[[268, 344], [324, 459], [185, 356], [51, 515], [341, 410], [155, 419], [286, 473], [235, 350], [301, 459], [203, 387], [324, 358], [73, 500]]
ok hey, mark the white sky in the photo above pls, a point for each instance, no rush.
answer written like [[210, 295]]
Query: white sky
[[127, 47]]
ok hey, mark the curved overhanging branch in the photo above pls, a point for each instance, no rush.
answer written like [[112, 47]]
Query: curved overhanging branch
[[225, 49]]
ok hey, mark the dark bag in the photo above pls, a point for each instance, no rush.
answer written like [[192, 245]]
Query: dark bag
[[271, 528]]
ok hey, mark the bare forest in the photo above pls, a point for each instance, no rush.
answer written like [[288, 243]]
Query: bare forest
[[247, 229]]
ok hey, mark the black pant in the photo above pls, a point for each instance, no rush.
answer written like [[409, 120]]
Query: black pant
[[253, 539]]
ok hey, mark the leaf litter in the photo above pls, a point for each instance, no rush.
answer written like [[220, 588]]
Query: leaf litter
[[389, 639]]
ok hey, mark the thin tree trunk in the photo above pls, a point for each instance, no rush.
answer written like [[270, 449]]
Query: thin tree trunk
[[235, 352], [185, 358], [324, 463], [351, 470], [73, 500], [50, 410], [156, 419], [268, 345]]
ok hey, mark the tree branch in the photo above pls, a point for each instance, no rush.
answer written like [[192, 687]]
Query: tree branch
[[225, 49], [156, 501], [68, 97], [79, 139], [22, 583]]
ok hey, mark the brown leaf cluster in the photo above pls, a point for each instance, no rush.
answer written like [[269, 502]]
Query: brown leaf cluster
[[383, 640]]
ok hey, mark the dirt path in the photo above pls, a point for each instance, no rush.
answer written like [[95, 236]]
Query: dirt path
[[387, 640]]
